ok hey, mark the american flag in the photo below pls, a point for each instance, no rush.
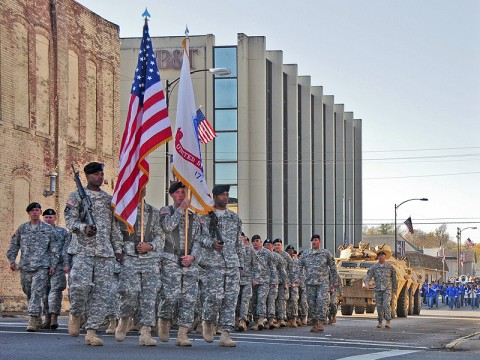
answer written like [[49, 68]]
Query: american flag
[[147, 127], [409, 224], [205, 130]]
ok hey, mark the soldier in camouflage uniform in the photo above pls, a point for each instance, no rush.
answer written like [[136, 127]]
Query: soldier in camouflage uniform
[[56, 283], [264, 273], [385, 284], [336, 290], [284, 287], [179, 274], [279, 281], [93, 251], [140, 275], [292, 304], [302, 295], [39, 257], [223, 258], [245, 294], [319, 266]]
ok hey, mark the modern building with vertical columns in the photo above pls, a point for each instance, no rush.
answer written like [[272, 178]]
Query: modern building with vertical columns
[[291, 155]]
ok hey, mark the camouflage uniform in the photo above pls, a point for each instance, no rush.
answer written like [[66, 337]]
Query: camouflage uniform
[[179, 283], [385, 285], [93, 258], [276, 283], [292, 304], [222, 276], [284, 286], [56, 283], [335, 292], [245, 293], [263, 274], [140, 275], [39, 252], [319, 266]]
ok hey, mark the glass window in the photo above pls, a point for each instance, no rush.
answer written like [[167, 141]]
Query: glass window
[[226, 147], [225, 93], [225, 173], [226, 58], [225, 120]]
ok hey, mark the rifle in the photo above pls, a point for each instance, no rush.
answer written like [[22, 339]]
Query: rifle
[[213, 228], [86, 202]]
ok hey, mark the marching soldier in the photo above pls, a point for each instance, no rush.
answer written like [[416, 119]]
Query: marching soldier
[[278, 281], [35, 240], [245, 294], [283, 288], [385, 284], [94, 249], [292, 305], [57, 282]]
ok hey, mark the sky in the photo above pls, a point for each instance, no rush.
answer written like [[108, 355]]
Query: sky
[[410, 69]]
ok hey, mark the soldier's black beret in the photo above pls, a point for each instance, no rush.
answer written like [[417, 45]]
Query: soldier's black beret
[[315, 236], [267, 241], [289, 247], [33, 205], [93, 167], [220, 189], [255, 237], [278, 240], [49, 212], [175, 186]]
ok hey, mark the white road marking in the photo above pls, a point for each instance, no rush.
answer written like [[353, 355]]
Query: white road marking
[[379, 355]]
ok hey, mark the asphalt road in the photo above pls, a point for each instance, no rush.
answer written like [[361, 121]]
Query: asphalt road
[[352, 337]]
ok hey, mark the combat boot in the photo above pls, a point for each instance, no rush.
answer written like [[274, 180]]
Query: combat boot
[[54, 321], [74, 325], [380, 325], [226, 340], [164, 330], [33, 324], [145, 338], [317, 326], [122, 329], [92, 339], [387, 324], [334, 319], [242, 326], [282, 323], [292, 323], [46, 323], [272, 324], [298, 321], [304, 321], [199, 328], [207, 331], [259, 325], [182, 339], [112, 324]]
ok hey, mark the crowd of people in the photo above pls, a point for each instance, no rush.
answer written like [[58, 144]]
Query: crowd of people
[[454, 295], [173, 268]]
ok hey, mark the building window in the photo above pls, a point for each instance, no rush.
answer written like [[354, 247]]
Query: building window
[[226, 122]]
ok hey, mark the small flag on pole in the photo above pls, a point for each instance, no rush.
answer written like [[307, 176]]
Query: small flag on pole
[[205, 130], [409, 224]]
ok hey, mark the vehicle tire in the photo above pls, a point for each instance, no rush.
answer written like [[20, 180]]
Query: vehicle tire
[[402, 303], [359, 309], [370, 309], [417, 302], [410, 302], [347, 309]]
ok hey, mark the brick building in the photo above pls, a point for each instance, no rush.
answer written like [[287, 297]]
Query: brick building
[[59, 105]]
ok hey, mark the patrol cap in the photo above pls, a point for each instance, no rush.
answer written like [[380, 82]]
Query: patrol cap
[[255, 237], [220, 189], [267, 241], [278, 240], [93, 167], [49, 212], [289, 247], [175, 186], [33, 205], [315, 236]]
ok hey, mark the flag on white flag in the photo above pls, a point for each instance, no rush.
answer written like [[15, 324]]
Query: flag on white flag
[[187, 157]]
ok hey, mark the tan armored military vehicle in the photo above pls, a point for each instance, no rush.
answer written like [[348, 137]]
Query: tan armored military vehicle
[[352, 266]]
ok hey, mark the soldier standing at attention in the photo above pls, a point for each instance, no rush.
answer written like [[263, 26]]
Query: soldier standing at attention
[[283, 288], [278, 281], [57, 282], [223, 258], [385, 284], [319, 266], [140, 275], [179, 275], [94, 250], [38, 260], [245, 294]]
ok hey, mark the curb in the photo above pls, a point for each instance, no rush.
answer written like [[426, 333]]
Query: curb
[[459, 341]]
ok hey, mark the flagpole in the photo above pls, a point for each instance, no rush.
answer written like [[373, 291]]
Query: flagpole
[[189, 195], [141, 218]]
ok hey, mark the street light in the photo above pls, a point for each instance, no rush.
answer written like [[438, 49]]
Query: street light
[[396, 207], [459, 241], [169, 87]]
